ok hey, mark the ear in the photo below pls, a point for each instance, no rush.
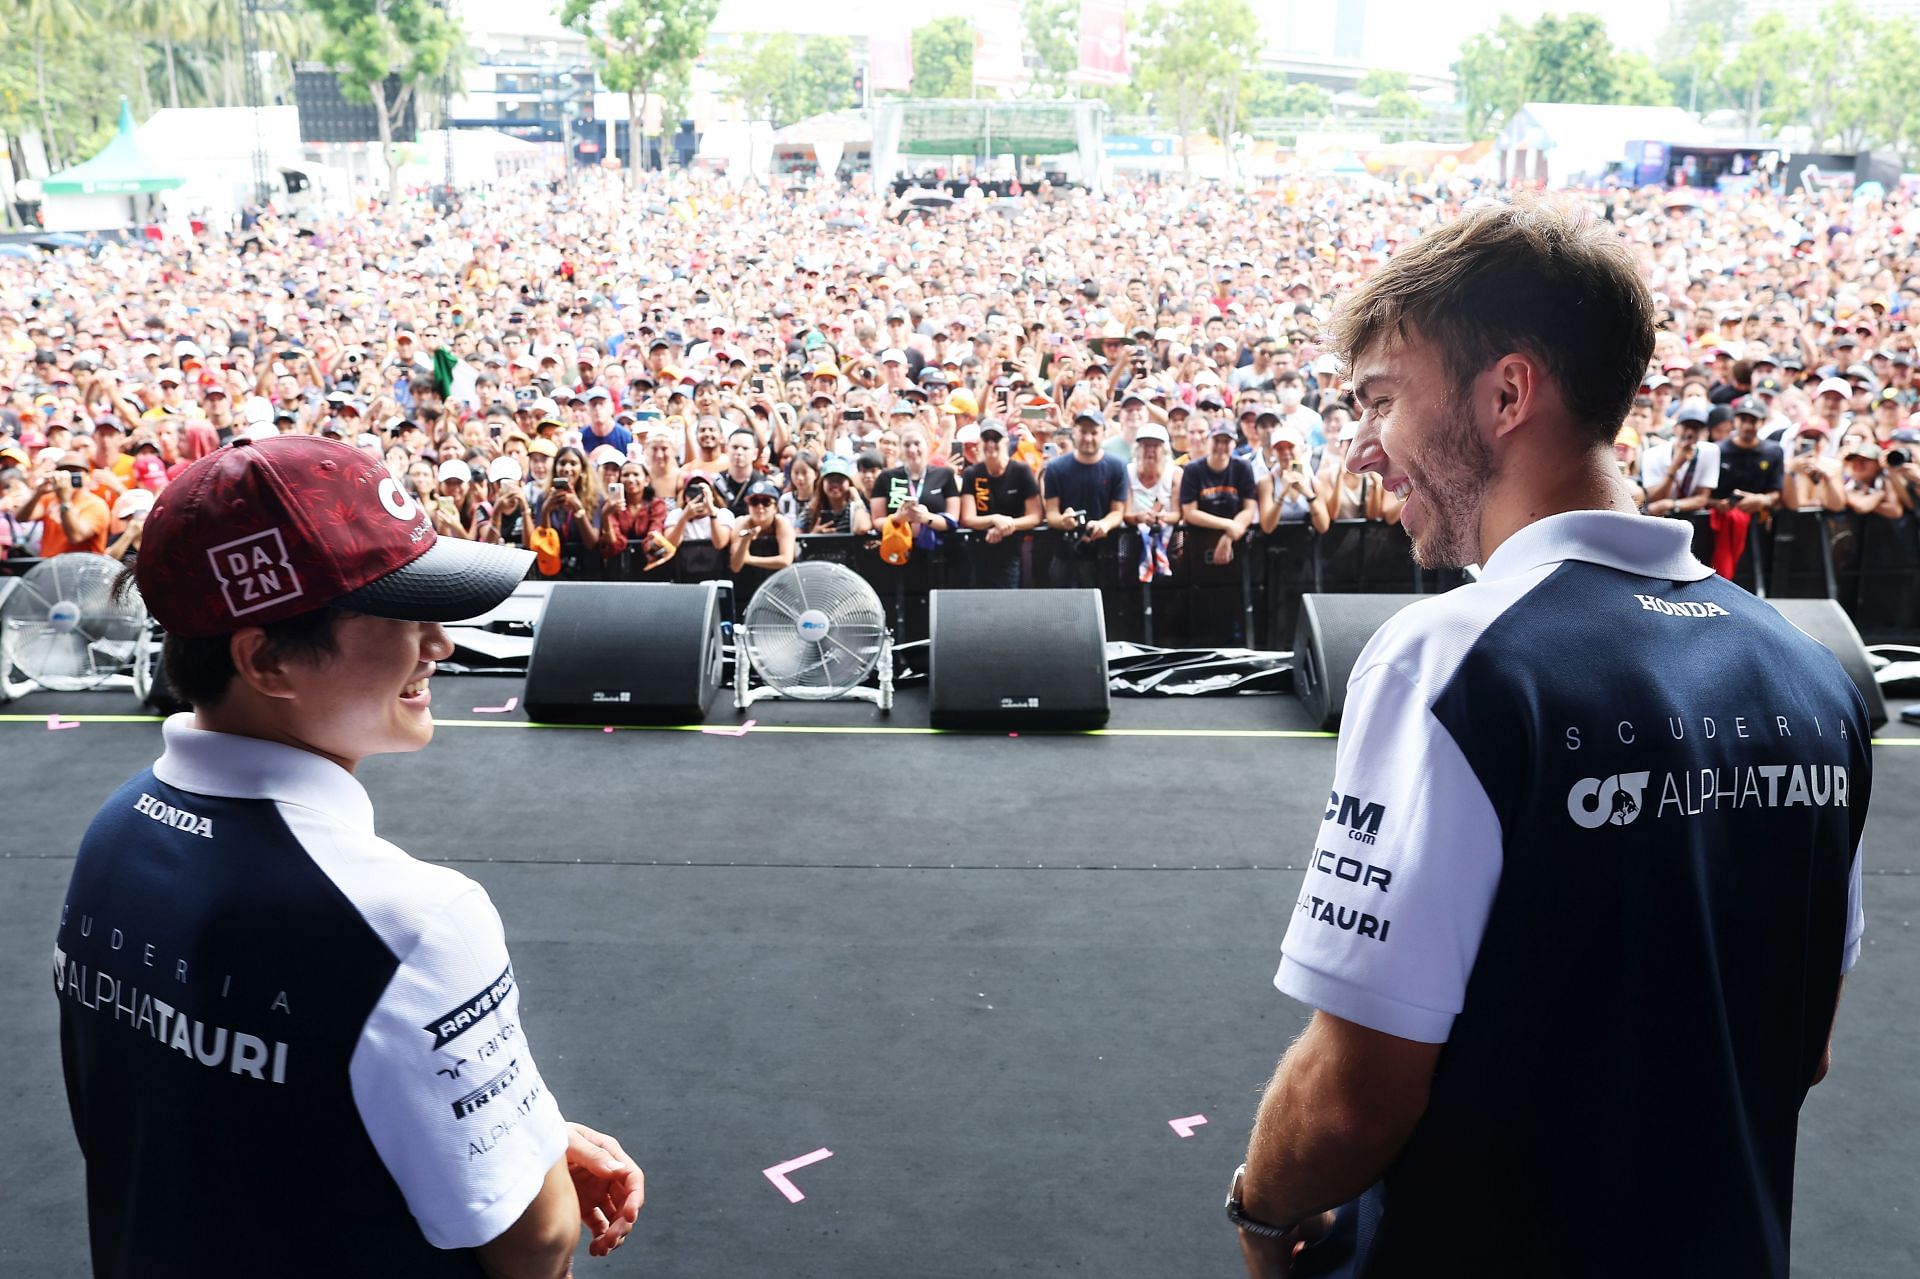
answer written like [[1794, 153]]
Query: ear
[[1514, 391], [258, 665]]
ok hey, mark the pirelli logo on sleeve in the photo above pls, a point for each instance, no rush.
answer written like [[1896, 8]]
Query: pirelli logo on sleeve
[[455, 1022], [486, 1094]]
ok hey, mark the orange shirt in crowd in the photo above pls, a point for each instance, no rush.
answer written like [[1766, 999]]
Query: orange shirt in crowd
[[89, 514]]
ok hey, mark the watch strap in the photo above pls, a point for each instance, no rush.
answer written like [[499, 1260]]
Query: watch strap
[[1237, 1214]]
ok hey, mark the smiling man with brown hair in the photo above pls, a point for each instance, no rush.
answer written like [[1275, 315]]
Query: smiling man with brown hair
[[1575, 922]]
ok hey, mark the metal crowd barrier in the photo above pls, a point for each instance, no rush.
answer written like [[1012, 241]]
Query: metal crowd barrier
[[1869, 564]]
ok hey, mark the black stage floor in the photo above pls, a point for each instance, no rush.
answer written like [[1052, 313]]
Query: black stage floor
[[984, 972]]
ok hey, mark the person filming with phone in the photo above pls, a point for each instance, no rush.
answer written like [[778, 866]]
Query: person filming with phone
[[72, 517]]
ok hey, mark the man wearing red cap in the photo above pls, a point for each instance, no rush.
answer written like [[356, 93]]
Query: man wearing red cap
[[268, 1014]]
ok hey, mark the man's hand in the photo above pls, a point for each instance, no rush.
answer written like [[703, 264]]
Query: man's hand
[[1223, 549], [609, 1184], [1661, 507]]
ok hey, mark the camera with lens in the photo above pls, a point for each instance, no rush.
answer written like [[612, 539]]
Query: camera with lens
[[1898, 457]]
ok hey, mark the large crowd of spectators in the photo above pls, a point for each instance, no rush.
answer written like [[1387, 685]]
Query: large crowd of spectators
[[692, 381]]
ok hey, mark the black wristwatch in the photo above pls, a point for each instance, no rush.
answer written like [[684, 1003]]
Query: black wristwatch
[[1239, 1218]]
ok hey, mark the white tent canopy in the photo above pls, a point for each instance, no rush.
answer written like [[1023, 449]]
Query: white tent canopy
[[847, 128], [1560, 142]]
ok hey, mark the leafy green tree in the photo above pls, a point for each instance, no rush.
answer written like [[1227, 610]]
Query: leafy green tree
[[46, 23], [1492, 75], [1053, 37], [1893, 85], [1570, 59], [1376, 82], [1838, 100], [1270, 94], [1198, 61], [784, 78], [1636, 83], [1558, 59], [1398, 104], [367, 41], [825, 77], [943, 59], [1766, 75], [760, 72], [642, 47]]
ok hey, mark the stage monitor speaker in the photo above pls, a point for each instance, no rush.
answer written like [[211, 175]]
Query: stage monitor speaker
[[626, 653], [1326, 643], [1017, 660], [1826, 621]]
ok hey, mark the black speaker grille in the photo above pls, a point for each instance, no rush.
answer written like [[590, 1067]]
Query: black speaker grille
[[625, 653], [1007, 659]]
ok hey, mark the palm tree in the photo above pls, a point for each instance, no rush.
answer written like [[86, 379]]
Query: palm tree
[[45, 21], [162, 20]]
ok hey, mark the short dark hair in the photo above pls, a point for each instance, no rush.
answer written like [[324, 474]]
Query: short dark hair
[[199, 671], [1517, 277]]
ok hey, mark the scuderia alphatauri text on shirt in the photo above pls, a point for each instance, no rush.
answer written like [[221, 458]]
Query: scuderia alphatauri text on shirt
[[290, 1048], [1594, 827]]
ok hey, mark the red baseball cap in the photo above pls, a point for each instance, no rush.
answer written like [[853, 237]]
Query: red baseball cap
[[262, 530]]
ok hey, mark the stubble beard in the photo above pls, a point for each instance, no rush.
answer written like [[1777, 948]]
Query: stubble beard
[[1452, 473]]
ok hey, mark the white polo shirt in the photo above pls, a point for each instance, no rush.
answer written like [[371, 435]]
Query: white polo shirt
[[265, 1008], [1594, 826]]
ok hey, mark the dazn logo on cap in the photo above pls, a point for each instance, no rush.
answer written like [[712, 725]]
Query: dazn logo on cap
[[255, 573]]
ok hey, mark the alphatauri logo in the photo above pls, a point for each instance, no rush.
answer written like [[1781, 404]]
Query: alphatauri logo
[[1601, 801]]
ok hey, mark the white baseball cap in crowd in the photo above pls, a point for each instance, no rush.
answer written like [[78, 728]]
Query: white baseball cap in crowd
[[454, 469], [1151, 431], [257, 409], [502, 468], [1839, 386], [131, 503], [893, 355], [968, 434]]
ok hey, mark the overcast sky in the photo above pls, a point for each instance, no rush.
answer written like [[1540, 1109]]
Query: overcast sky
[[1401, 34]]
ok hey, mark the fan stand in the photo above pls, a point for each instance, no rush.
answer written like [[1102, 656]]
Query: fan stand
[[746, 692]]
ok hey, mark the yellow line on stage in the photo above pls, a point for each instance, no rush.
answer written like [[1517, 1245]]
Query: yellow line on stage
[[823, 730]]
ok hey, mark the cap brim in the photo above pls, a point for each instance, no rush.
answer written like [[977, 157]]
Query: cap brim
[[453, 580]]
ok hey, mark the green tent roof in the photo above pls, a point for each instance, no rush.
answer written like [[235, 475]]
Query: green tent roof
[[121, 168]]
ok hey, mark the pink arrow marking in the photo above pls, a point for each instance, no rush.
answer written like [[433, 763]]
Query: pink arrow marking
[[497, 710], [778, 1173], [1186, 1126], [741, 731], [54, 725]]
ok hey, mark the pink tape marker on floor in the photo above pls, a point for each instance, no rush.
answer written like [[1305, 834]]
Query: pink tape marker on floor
[[741, 731], [54, 725], [778, 1173], [1186, 1125], [497, 710]]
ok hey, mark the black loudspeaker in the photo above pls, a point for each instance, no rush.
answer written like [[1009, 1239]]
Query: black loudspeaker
[[1017, 659], [1826, 621], [1326, 643], [626, 653]]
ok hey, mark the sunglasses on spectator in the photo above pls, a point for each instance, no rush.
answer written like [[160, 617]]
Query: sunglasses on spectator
[[759, 501]]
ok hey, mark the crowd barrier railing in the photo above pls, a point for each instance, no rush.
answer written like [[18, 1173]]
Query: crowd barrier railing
[[1869, 564]]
